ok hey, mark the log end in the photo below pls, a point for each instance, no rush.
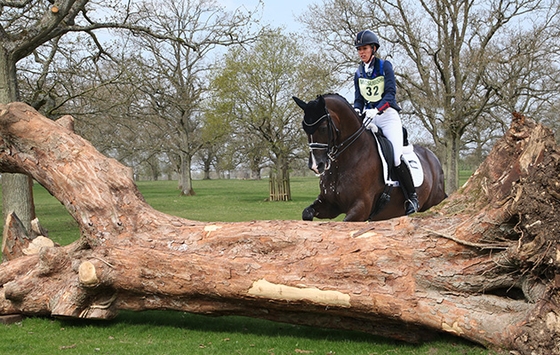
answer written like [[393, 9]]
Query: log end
[[36, 244], [87, 274]]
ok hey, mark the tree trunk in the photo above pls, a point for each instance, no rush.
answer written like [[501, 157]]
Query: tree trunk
[[482, 265], [17, 192], [185, 180], [451, 164], [17, 197], [206, 171]]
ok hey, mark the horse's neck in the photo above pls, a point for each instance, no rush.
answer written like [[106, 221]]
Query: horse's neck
[[348, 123], [364, 147]]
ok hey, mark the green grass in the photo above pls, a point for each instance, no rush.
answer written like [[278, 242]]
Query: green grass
[[214, 201], [179, 333], [161, 332], [230, 200]]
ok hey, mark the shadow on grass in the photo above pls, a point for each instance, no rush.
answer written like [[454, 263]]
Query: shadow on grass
[[256, 327]]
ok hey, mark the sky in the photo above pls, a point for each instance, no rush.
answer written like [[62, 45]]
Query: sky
[[283, 13], [276, 12]]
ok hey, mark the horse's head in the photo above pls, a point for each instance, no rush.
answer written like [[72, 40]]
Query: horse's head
[[332, 126], [321, 132], [315, 114]]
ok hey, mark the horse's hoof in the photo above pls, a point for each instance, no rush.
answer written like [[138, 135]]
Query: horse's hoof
[[308, 214]]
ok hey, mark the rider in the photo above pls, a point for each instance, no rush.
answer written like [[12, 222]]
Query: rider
[[375, 89]]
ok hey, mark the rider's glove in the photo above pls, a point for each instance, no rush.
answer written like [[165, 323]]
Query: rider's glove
[[371, 113], [358, 111]]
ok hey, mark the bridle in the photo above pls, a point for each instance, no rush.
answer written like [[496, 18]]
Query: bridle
[[333, 149]]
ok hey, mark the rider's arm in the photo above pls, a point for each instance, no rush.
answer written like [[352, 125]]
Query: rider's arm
[[389, 95]]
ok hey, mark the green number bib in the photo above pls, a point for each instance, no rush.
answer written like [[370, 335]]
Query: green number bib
[[372, 89]]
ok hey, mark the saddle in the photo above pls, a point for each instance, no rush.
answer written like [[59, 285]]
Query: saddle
[[409, 158]]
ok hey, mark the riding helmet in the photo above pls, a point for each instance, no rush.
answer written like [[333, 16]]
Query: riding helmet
[[366, 37]]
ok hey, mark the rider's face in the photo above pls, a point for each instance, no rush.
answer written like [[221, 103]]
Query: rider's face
[[365, 53]]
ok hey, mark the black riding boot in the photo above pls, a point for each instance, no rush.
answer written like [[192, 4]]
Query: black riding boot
[[405, 178]]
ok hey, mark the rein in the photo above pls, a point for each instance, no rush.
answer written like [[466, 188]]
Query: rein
[[334, 150]]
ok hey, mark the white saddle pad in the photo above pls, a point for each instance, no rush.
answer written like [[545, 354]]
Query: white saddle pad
[[411, 159]]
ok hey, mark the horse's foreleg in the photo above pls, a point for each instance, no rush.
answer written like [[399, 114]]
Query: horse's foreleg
[[308, 213], [320, 209]]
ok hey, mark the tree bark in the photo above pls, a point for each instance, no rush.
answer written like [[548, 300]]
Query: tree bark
[[185, 179], [17, 192], [451, 162], [482, 265]]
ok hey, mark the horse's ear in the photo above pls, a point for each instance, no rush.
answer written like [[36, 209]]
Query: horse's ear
[[300, 102]]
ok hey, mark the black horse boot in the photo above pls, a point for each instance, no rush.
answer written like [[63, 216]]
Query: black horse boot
[[405, 178]]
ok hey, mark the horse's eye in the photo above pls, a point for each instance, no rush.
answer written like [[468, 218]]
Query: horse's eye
[[322, 129]]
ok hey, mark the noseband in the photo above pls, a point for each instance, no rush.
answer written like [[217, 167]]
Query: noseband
[[333, 149]]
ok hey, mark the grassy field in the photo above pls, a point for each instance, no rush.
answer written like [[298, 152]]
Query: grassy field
[[181, 333]]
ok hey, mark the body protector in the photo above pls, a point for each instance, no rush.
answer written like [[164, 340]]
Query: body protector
[[375, 86]]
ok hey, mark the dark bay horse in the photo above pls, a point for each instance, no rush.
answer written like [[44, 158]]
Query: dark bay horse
[[346, 156]]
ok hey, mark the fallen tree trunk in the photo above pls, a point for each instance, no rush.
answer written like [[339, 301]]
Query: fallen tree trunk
[[483, 265]]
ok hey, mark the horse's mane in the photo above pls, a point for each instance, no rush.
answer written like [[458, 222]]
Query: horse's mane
[[343, 101], [337, 96]]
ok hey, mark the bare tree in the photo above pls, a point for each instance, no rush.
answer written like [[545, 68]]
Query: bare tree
[[27, 25], [255, 91], [150, 83], [457, 62], [174, 72], [214, 135]]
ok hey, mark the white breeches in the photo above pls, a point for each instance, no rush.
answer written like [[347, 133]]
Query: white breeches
[[390, 122]]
